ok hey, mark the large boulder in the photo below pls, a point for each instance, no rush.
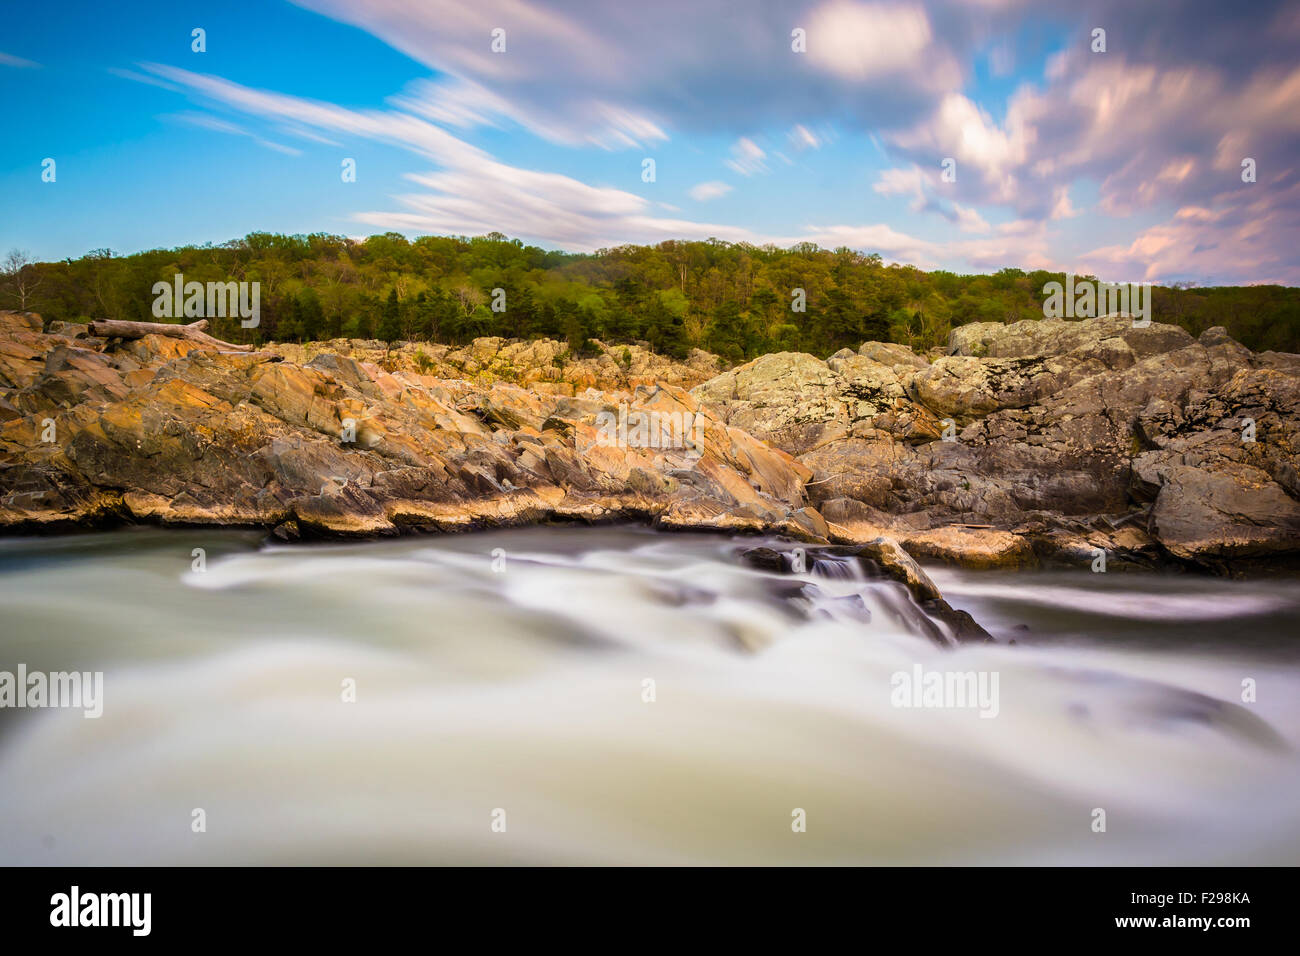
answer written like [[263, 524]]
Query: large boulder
[[1047, 337]]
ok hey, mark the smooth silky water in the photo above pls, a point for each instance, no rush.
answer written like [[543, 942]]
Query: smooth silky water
[[522, 687]]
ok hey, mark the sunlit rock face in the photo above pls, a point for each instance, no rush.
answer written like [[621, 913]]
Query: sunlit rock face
[[544, 365], [327, 442]]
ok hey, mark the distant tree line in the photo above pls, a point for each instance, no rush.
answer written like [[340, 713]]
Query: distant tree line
[[734, 299]]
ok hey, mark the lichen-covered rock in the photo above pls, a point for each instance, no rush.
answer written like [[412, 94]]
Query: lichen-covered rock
[[544, 364], [163, 431], [1042, 429], [1048, 337], [1056, 439]]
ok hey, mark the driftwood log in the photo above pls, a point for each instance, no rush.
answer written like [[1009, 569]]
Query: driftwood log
[[114, 328], [257, 356]]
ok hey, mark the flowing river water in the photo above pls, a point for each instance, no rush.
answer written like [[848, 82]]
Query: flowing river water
[[616, 695]]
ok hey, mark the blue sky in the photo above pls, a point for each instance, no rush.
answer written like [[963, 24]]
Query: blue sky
[[1124, 163]]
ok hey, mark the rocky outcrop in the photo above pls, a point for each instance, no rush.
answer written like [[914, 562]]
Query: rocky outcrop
[[172, 431], [1032, 441], [1062, 438], [544, 365]]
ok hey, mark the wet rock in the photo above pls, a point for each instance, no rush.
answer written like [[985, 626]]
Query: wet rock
[[287, 531], [891, 556], [965, 629], [765, 559]]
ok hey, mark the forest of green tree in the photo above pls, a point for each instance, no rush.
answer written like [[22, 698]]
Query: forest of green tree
[[730, 298]]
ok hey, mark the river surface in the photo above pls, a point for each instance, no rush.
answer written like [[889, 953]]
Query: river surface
[[620, 696]]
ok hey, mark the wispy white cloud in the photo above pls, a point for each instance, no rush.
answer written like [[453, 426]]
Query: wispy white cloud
[[144, 78], [802, 138], [465, 104], [702, 192], [747, 157], [217, 125], [886, 59], [298, 131], [474, 193], [8, 59]]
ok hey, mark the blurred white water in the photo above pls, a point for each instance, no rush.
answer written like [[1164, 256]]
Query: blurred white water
[[522, 689]]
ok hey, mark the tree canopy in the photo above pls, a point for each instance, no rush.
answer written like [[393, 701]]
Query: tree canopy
[[734, 299]]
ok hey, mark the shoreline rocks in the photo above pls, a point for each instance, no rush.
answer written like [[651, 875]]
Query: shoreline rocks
[[1044, 441], [163, 430], [1029, 443]]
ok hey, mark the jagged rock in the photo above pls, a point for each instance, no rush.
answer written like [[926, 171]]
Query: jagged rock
[[1214, 516], [1040, 337], [765, 559], [1051, 423], [163, 430], [801, 403], [1065, 437], [543, 365], [893, 355], [889, 554], [965, 629]]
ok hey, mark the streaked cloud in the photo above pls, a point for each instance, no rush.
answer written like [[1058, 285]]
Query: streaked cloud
[[747, 157], [702, 192], [8, 59], [217, 125], [1134, 154]]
